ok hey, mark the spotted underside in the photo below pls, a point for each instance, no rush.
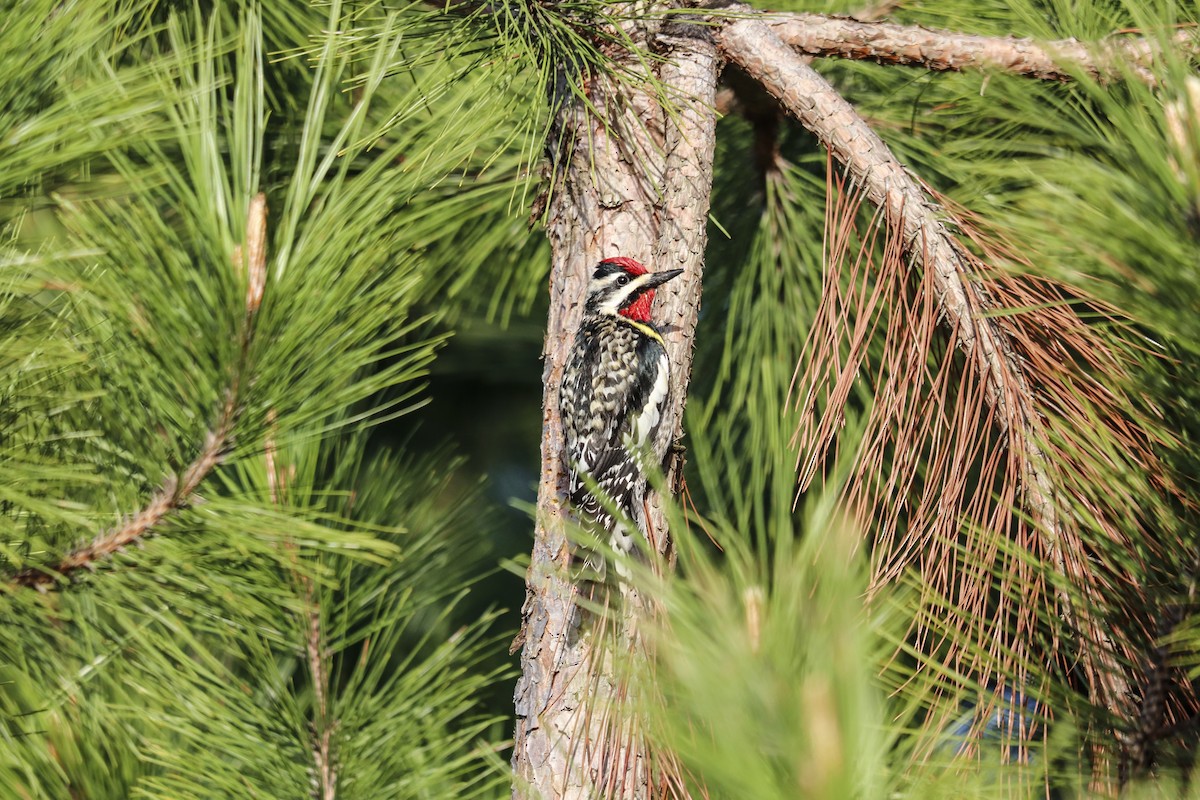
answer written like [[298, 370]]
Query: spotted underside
[[613, 394]]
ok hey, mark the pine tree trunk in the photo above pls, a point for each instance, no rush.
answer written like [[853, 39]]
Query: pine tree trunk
[[630, 180]]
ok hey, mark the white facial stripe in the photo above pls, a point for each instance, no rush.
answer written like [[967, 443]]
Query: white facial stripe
[[613, 303]]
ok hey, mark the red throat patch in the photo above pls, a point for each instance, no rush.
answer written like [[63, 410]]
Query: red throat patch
[[639, 310]]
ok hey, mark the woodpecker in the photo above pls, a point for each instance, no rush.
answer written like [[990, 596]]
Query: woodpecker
[[615, 388]]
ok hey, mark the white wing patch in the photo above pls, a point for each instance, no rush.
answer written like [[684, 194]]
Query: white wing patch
[[647, 421]]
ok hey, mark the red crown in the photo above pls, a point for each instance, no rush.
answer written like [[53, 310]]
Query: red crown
[[628, 264]]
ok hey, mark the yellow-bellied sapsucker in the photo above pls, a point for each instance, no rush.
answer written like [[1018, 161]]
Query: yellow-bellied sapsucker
[[615, 388]]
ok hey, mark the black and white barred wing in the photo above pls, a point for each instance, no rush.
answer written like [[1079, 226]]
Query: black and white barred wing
[[599, 392]]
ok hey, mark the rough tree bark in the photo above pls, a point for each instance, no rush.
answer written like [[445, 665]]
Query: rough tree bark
[[632, 178], [913, 45]]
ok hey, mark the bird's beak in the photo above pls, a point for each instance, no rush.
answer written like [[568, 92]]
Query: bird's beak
[[659, 278]]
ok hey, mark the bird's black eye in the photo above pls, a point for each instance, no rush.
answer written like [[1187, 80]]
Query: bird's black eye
[[621, 281]]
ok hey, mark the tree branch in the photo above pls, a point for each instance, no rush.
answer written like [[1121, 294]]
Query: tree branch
[[913, 45], [323, 726], [177, 492], [753, 45]]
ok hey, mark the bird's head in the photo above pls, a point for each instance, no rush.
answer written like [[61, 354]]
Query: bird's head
[[623, 286]]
